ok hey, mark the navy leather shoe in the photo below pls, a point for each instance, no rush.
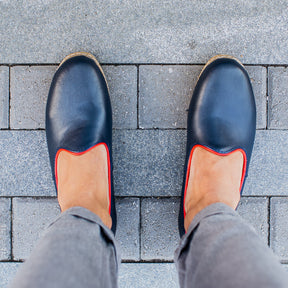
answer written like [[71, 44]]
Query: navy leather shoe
[[221, 117], [79, 114]]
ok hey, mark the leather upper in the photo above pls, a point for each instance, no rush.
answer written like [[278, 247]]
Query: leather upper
[[78, 111], [222, 114], [222, 111]]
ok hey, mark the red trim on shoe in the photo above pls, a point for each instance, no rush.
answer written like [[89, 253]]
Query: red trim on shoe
[[216, 153], [83, 152]]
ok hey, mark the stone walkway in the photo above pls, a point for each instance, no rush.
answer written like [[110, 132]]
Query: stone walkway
[[152, 53]]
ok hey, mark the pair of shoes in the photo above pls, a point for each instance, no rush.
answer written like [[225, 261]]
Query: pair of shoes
[[221, 118]]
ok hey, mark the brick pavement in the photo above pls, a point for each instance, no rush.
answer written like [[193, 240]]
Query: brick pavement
[[151, 58]]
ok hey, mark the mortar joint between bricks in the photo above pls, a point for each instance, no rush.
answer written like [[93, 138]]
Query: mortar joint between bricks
[[9, 99], [268, 219], [267, 97], [138, 91], [140, 227], [11, 230]]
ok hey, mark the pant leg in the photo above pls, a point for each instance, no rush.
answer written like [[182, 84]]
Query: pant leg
[[77, 250], [221, 250]]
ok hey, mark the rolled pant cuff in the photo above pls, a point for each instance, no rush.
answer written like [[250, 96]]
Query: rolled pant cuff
[[213, 209], [86, 214]]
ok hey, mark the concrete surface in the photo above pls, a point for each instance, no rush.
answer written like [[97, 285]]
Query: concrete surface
[[152, 53], [149, 31]]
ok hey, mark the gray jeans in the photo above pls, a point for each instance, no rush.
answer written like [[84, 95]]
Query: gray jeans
[[219, 250]]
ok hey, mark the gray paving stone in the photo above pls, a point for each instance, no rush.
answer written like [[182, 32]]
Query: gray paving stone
[[165, 93], [279, 227], [140, 163], [24, 167], [29, 90], [159, 228], [122, 81], [144, 31], [30, 86], [128, 228], [7, 273], [5, 224], [4, 96], [269, 165], [258, 76], [255, 212], [152, 275], [148, 162], [141, 159], [278, 97], [30, 218]]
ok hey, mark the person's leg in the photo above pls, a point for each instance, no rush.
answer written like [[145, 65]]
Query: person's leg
[[219, 248], [78, 249]]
